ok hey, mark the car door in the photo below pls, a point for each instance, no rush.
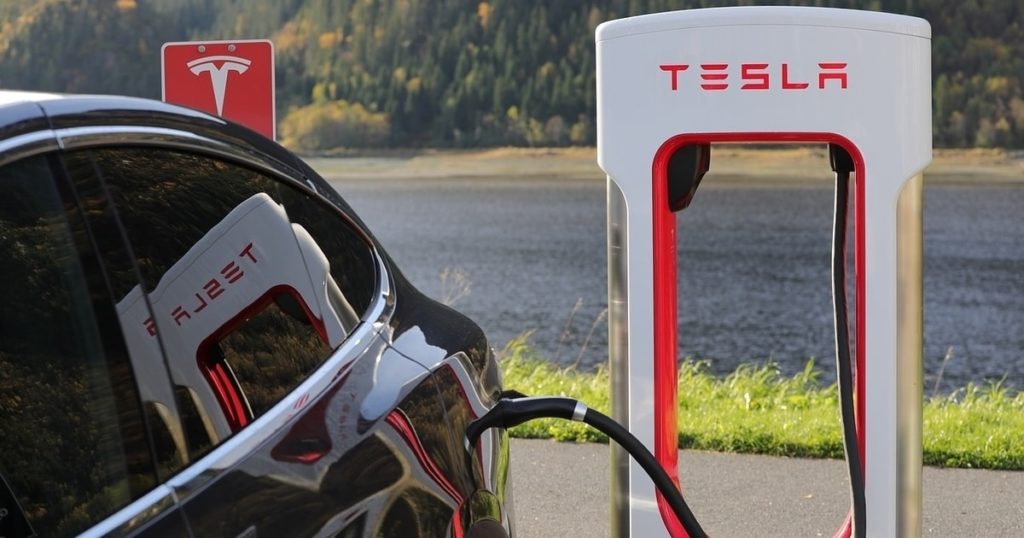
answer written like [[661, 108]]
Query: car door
[[291, 415], [75, 452]]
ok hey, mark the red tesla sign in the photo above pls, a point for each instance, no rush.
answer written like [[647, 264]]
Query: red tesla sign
[[232, 79]]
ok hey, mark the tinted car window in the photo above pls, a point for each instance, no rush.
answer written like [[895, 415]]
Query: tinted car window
[[73, 445], [252, 282], [152, 377]]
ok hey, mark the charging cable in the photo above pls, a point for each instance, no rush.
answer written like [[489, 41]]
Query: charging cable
[[842, 165], [512, 412], [509, 412]]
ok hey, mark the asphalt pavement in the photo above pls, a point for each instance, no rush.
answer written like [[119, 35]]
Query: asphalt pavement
[[561, 490]]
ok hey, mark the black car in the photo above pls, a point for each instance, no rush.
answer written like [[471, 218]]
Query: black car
[[198, 337]]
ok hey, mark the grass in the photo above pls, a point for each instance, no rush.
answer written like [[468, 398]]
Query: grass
[[758, 410]]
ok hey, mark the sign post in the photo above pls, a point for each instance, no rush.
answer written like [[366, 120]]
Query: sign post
[[674, 82], [232, 79]]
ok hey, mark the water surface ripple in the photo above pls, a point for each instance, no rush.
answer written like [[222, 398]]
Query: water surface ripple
[[753, 258]]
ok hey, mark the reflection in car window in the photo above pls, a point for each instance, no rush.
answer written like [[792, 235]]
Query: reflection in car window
[[73, 447], [251, 282]]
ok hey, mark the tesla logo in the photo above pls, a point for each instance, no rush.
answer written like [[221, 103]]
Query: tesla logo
[[232, 79], [218, 67], [758, 76]]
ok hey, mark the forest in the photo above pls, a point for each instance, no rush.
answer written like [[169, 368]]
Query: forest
[[460, 73]]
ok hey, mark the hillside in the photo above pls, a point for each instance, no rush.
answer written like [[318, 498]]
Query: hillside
[[452, 73]]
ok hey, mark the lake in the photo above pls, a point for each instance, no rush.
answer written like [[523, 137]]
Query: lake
[[754, 264]]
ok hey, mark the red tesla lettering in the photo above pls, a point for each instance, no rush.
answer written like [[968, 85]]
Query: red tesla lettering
[[202, 304], [714, 72], [213, 289], [232, 272], [787, 85], [674, 70], [179, 313], [247, 253], [832, 71], [755, 75]]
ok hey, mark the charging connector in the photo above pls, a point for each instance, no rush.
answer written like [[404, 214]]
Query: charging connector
[[685, 169], [512, 412]]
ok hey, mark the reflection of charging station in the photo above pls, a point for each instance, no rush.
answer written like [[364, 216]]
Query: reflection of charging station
[[253, 258], [672, 84]]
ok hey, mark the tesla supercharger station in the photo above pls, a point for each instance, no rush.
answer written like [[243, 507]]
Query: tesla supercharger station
[[859, 80]]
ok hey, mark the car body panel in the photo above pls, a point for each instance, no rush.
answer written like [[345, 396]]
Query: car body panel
[[372, 442]]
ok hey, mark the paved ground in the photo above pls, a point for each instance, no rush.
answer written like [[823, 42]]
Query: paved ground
[[561, 490]]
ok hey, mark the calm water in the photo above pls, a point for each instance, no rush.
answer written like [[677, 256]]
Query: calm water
[[754, 262]]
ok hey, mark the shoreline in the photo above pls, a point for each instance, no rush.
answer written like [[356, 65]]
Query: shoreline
[[758, 410], [729, 165]]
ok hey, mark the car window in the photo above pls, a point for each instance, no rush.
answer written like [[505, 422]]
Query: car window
[[73, 446], [252, 282]]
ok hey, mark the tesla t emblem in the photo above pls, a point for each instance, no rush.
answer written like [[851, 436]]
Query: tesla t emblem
[[219, 73], [232, 79]]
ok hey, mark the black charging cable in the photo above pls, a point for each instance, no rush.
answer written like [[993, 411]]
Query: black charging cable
[[512, 412], [509, 412], [842, 165]]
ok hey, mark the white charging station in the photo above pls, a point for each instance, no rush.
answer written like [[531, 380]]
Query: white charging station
[[861, 80]]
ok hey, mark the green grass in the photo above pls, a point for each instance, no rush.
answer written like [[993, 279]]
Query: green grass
[[758, 410]]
